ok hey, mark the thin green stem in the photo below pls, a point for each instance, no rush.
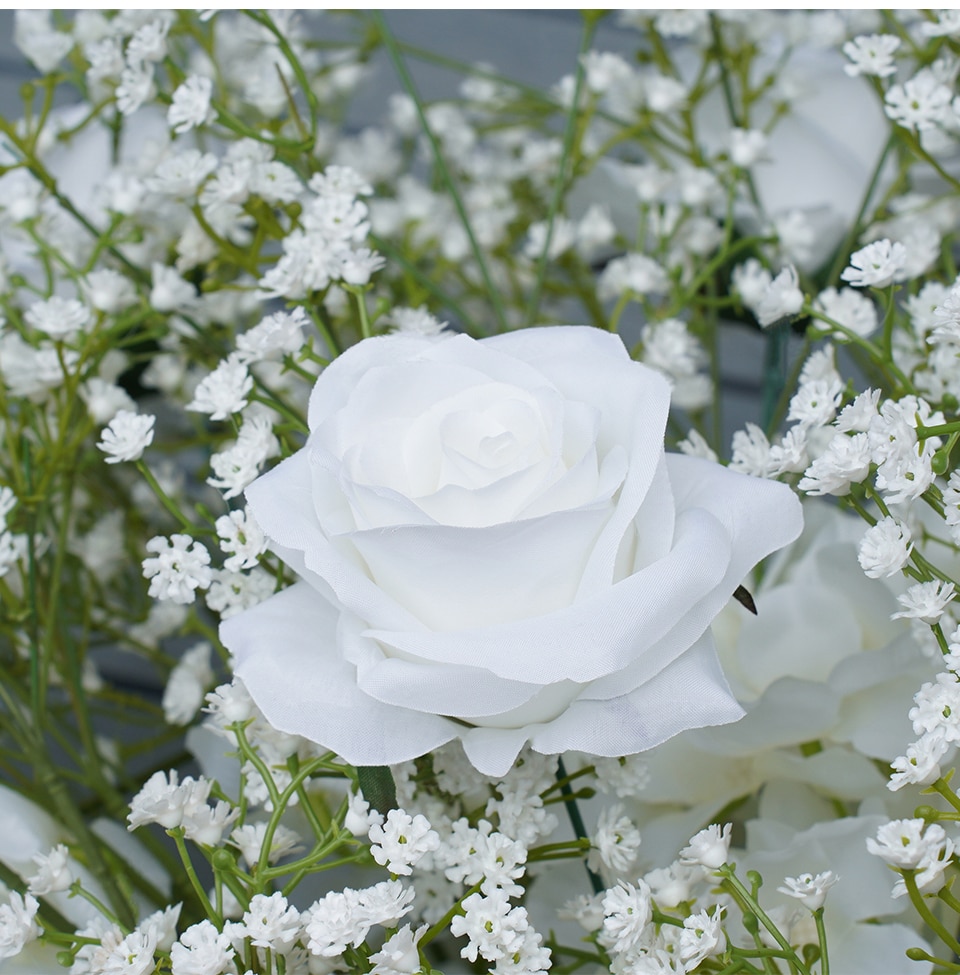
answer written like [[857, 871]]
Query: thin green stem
[[177, 834], [576, 821], [822, 938], [916, 898], [407, 81], [564, 170]]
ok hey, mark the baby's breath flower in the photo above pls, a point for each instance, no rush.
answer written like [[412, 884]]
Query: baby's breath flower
[[109, 291], [190, 106], [782, 298], [187, 685], [249, 841], [127, 436], [201, 950], [224, 391], [627, 910], [17, 924], [271, 922], [401, 841], [876, 265], [885, 548], [633, 273], [710, 847], [920, 103], [871, 55], [179, 568], [810, 890], [925, 601], [53, 872], [921, 763]]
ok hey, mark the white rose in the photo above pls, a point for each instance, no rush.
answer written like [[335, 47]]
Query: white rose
[[495, 547]]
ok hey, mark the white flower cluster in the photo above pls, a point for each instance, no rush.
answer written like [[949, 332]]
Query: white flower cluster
[[328, 247]]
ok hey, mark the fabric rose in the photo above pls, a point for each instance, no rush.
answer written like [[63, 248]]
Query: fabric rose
[[494, 546]]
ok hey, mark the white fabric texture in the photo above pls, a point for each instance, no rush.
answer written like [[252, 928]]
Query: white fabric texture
[[495, 547]]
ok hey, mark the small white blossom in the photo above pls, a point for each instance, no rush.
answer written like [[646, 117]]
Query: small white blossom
[[810, 890], [782, 298], [241, 538], [936, 709], [170, 292], [920, 103], [616, 844], [187, 685], [224, 391], [921, 763], [235, 467], [702, 936], [271, 922], [751, 280], [633, 273], [815, 403], [60, 318], [17, 924], [53, 873], [105, 400], [190, 106], [925, 601], [201, 950], [751, 451], [747, 146], [627, 911], [416, 321], [710, 847], [109, 291], [857, 416], [127, 436], [849, 308], [876, 265], [276, 335], [136, 87], [885, 548], [401, 841], [165, 800], [493, 927], [249, 841], [230, 593], [179, 568], [399, 954], [871, 55], [906, 845], [360, 815]]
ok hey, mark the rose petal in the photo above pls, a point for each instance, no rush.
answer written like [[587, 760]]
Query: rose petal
[[304, 687], [457, 578], [602, 635], [690, 693], [455, 690]]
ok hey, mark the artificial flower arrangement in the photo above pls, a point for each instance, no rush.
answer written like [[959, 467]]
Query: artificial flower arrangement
[[377, 591]]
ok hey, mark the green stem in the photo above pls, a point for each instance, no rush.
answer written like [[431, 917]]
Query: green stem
[[822, 938], [734, 884], [576, 821], [563, 176], [846, 246], [916, 898], [165, 498], [177, 834], [407, 81]]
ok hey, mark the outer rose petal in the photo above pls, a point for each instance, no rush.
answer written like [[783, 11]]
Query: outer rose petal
[[325, 704], [286, 651]]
